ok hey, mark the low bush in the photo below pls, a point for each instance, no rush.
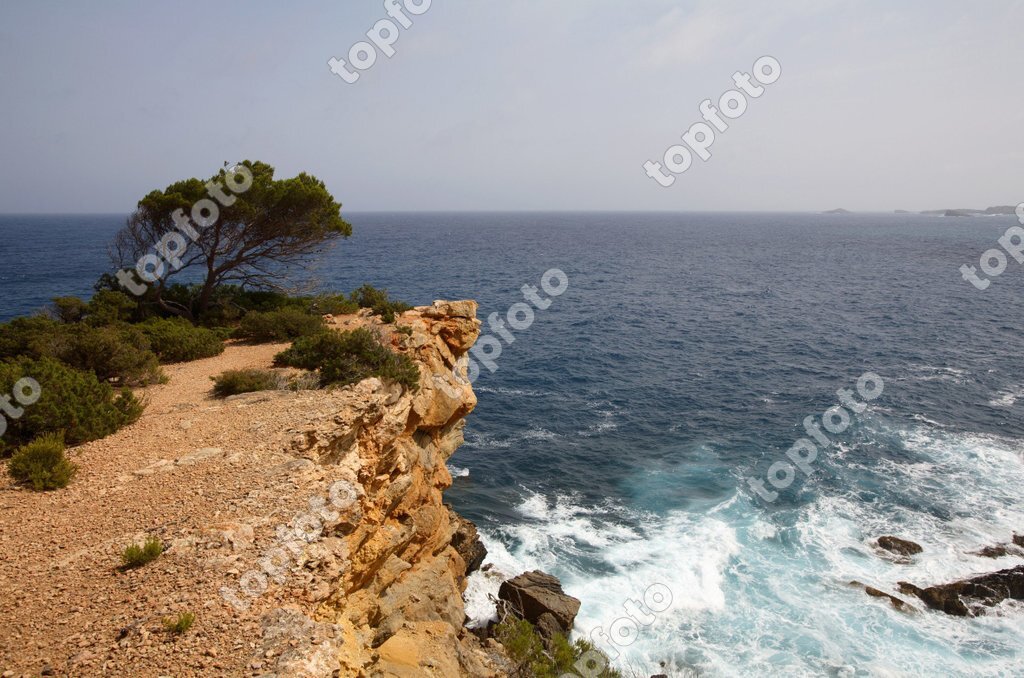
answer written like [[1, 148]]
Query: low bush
[[378, 301], [337, 304], [117, 353], [33, 336], [183, 622], [525, 648], [234, 382], [175, 340], [109, 306], [42, 464], [71, 401], [282, 325], [348, 357], [137, 556]]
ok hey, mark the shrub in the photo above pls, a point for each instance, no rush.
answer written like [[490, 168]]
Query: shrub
[[117, 352], [109, 306], [175, 340], [71, 401], [183, 622], [349, 357], [33, 336], [378, 301], [525, 648], [42, 464], [137, 556], [336, 304], [69, 309], [280, 325], [234, 382]]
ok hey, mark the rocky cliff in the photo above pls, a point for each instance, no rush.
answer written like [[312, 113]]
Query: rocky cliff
[[305, 530], [399, 600]]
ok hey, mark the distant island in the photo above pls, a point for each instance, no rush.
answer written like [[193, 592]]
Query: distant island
[[991, 211], [838, 210]]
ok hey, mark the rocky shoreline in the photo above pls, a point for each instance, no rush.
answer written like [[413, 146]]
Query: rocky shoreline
[[969, 597]]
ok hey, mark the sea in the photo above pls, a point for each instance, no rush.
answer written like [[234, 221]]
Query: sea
[[615, 441]]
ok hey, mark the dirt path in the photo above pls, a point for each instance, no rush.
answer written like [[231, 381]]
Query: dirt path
[[204, 475]]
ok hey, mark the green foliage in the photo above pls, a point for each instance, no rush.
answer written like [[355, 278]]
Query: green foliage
[[234, 382], [115, 351], [69, 309], [183, 622], [349, 357], [378, 301], [110, 306], [71, 401], [32, 336], [118, 353], [271, 226], [42, 464], [334, 304], [175, 340], [137, 556], [281, 325], [524, 646]]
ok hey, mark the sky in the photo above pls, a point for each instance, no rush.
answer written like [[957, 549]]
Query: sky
[[516, 104]]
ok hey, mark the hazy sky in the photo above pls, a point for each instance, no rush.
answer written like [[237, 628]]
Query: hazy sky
[[520, 104]]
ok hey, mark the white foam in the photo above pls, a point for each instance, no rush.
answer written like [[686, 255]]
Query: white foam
[[1007, 398], [686, 553], [458, 471]]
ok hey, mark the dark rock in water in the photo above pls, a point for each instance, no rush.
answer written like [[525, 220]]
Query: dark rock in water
[[466, 541], [876, 593], [969, 597], [1000, 550], [899, 546], [993, 552], [534, 595]]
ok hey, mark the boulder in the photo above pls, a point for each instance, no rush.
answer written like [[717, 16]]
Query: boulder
[[876, 593], [900, 547], [536, 594], [466, 541], [969, 597]]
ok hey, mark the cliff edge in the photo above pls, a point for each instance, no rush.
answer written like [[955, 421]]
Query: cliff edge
[[304, 530]]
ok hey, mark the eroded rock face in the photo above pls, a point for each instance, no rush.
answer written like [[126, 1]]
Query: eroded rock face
[[398, 603], [970, 597], [466, 541], [538, 598]]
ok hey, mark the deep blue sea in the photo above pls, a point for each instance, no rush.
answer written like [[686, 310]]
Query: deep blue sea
[[614, 443]]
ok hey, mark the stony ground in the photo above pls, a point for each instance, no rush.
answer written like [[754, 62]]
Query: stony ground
[[210, 478]]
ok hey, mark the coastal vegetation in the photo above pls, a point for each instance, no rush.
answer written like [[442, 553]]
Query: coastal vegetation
[[526, 648], [342, 358], [235, 382], [254, 238], [42, 464], [88, 355], [135, 555]]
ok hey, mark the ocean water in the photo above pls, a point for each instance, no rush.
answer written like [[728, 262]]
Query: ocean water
[[613, 444]]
